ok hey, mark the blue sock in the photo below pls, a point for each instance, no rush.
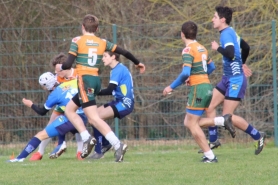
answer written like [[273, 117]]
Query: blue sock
[[213, 134], [105, 142], [99, 138], [254, 133], [61, 139], [30, 147]]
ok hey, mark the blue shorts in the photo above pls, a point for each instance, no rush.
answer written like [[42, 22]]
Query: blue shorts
[[233, 87], [61, 126], [120, 110], [195, 112]]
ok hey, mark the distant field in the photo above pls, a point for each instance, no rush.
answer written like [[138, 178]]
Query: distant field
[[176, 164]]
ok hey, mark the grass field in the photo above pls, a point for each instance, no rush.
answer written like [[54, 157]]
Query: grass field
[[169, 165]]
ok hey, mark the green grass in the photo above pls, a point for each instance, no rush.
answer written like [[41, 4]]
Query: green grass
[[169, 165]]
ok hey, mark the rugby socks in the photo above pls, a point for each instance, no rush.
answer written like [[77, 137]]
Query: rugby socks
[[105, 142], [212, 134], [254, 133], [79, 142], [219, 121], [30, 147], [43, 144], [61, 139], [209, 154], [98, 137], [85, 135], [113, 140]]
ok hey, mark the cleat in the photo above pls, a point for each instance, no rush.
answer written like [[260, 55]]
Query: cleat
[[78, 156], [207, 160], [229, 125], [36, 157], [15, 160], [106, 148], [260, 144], [88, 147], [58, 150], [212, 145], [119, 154], [96, 156]]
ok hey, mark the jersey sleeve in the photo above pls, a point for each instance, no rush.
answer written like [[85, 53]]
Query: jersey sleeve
[[226, 39], [187, 57], [110, 46], [52, 99], [115, 76], [74, 46]]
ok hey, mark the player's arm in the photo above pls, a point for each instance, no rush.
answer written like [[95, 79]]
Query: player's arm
[[181, 78], [131, 57], [126, 54], [245, 48], [228, 51], [108, 90], [37, 109], [210, 66], [68, 63], [187, 59]]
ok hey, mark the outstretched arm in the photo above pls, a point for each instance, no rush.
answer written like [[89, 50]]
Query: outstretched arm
[[129, 56], [37, 109]]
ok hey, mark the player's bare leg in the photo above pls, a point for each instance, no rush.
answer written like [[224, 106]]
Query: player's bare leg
[[191, 122]]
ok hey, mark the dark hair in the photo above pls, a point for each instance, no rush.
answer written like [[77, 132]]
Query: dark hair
[[117, 56], [90, 23], [189, 29], [225, 12], [58, 59]]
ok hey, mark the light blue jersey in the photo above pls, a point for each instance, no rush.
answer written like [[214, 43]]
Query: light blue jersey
[[61, 95], [232, 67], [121, 77]]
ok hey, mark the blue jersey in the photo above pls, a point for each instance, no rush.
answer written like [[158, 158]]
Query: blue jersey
[[121, 77], [61, 95], [232, 67]]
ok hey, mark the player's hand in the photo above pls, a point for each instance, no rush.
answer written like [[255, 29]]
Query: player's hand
[[187, 82], [27, 102], [167, 90], [214, 45], [246, 70], [58, 68], [141, 67]]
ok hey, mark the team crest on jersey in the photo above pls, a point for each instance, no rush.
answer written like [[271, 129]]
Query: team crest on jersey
[[186, 50], [65, 88], [75, 39], [90, 91]]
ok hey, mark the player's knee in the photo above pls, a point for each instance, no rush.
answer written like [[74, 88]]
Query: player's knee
[[41, 135], [93, 120]]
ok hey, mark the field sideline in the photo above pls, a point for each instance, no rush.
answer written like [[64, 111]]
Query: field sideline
[[144, 165]]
